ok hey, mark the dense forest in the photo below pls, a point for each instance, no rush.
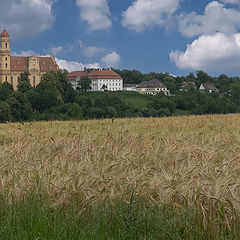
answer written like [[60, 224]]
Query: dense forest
[[55, 99]]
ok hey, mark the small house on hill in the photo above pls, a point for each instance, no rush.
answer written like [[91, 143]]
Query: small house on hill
[[207, 88], [186, 86], [129, 87], [152, 87]]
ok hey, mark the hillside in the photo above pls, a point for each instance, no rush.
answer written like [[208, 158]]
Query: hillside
[[188, 162]]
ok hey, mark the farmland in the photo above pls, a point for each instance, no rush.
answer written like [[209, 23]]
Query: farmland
[[186, 169]]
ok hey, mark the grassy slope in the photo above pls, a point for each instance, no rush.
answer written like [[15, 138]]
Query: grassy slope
[[136, 99], [182, 162]]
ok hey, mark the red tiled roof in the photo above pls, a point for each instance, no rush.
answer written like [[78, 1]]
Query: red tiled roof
[[104, 74], [73, 75], [21, 64], [47, 64], [4, 33], [94, 74]]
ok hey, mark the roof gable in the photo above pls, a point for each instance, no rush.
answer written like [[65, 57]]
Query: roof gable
[[154, 83]]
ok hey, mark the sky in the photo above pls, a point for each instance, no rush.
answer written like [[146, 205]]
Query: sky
[[174, 36]]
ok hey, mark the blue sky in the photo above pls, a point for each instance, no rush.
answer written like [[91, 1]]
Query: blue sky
[[175, 36]]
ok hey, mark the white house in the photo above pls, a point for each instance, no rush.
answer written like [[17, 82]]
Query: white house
[[130, 87], [207, 87], [100, 79], [153, 87]]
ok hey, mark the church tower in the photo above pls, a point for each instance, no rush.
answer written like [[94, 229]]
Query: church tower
[[4, 57]]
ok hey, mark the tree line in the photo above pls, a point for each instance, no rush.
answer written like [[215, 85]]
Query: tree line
[[55, 99]]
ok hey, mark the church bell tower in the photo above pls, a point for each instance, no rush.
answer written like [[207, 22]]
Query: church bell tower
[[4, 57]]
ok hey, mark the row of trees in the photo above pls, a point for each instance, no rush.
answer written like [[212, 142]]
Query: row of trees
[[222, 82], [55, 99]]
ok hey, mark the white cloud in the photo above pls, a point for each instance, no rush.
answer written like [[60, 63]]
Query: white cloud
[[96, 13], [231, 1], [213, 53], [74, 66], [56, 50], [111, 59], [93, 50], [148, 13], [26, 18], [216, 18], [23, 53]]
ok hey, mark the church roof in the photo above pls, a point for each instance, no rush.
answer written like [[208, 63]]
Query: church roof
[[4, 33], [22, 63]]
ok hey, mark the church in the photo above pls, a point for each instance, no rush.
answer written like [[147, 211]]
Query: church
[[12, 66]]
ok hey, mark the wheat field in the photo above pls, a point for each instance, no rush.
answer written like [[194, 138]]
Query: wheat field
[[184, 161]]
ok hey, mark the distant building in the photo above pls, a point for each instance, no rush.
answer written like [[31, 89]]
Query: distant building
[[186, 86], [130, 87], [207, 88], [100, 79], [153, 87], [11, 67]]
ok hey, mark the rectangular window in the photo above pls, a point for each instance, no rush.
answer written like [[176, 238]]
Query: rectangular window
[[11, 80], [34, 81]]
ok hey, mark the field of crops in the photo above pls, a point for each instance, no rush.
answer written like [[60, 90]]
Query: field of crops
[[182, 162]]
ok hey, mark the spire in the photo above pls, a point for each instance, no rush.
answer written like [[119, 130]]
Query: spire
[[4, 33]]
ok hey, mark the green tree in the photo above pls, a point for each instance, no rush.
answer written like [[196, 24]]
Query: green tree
[[84, 84], [104, 87], [24, 77], [23, 87], [21, 109], [24, 82], [6, 90], [5, 112]]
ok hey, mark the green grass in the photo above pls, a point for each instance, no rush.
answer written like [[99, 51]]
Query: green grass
[[33, 218], [133, 98]]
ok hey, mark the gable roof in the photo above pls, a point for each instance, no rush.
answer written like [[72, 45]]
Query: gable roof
[[209, 86], [94, 74], [154, 83], [18, 63], [21, 64], [188, 84], [47, 64]]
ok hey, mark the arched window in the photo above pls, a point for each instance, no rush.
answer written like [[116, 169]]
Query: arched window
[[6, 45], [6, 65], [6, 78]]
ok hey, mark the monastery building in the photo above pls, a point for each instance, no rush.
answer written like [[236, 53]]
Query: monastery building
[[12, 66]]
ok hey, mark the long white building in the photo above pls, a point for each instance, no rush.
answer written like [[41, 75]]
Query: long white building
[[100, 79]]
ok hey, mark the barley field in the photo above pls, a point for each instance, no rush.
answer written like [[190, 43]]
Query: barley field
[[185, 162]]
